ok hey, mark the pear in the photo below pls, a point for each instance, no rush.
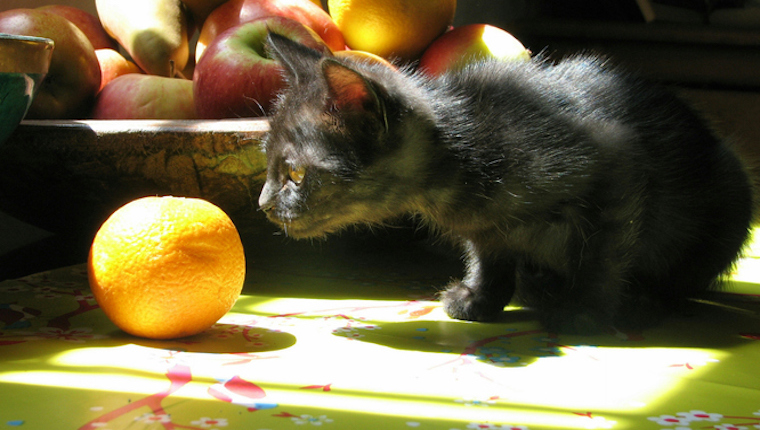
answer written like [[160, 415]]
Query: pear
[[153, 32]]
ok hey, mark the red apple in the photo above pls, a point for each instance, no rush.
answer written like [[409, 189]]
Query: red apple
[[113, 64], [139, 96], [236, 78], [470, 43], [235, 12], [85, 21], [73, 79]]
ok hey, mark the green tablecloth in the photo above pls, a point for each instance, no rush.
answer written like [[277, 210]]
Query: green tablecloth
[[350, 338]]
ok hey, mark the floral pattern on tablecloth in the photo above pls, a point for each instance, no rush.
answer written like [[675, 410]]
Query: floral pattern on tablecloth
[[285, 358]]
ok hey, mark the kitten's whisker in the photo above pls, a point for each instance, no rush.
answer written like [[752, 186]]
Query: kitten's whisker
[[258, 104], [499, 229]]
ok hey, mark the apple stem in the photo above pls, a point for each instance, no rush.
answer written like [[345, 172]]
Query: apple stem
[[175, 73]]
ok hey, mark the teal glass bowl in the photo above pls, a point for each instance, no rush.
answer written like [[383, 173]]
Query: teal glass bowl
[[24, 62]]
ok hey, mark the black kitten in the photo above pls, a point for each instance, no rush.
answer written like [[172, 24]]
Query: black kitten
[[601, 199]]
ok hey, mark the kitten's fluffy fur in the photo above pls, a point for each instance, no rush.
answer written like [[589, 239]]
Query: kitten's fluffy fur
[[601, 199]]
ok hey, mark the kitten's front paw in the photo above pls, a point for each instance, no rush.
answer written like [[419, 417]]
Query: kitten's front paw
[[464, 303]]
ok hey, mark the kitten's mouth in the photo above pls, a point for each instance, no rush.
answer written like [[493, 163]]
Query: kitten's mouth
[[300, 229], [297, 232], [314, 224]]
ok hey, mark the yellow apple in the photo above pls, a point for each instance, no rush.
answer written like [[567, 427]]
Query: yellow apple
[[140, 96], [113, 64]]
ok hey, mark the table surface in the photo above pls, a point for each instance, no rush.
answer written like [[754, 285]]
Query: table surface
[[346, 335]]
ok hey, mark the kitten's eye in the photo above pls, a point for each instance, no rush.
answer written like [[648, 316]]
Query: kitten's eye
[[296, 174]]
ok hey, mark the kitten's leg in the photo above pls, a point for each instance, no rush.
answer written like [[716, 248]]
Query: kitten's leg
[[564, 306], [486, 288], [581, 298]]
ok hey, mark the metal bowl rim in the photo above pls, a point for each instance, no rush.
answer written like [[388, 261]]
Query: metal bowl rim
[[24, 38]]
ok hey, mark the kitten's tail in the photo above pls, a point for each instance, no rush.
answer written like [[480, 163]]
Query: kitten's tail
[[749, 155]]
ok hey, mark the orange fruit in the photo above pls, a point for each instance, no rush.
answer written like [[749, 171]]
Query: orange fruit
[[392, 28], [166, 267]]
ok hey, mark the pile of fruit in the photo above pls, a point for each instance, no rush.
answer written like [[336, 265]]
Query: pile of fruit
[[135, 59]]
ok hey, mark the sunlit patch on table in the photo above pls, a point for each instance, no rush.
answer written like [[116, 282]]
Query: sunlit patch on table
[[348, 347]]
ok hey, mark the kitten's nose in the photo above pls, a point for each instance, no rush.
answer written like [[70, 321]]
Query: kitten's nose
[[265, 205], [266, 202]]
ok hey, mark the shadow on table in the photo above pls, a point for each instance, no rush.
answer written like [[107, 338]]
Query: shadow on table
[[517, 339], [220, 339]]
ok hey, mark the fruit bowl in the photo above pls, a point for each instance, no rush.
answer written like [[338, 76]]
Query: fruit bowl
[[68, 176], [24, 62]]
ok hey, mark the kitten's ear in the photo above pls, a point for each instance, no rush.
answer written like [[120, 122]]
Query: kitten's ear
[[350, 91], [297, 59]]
